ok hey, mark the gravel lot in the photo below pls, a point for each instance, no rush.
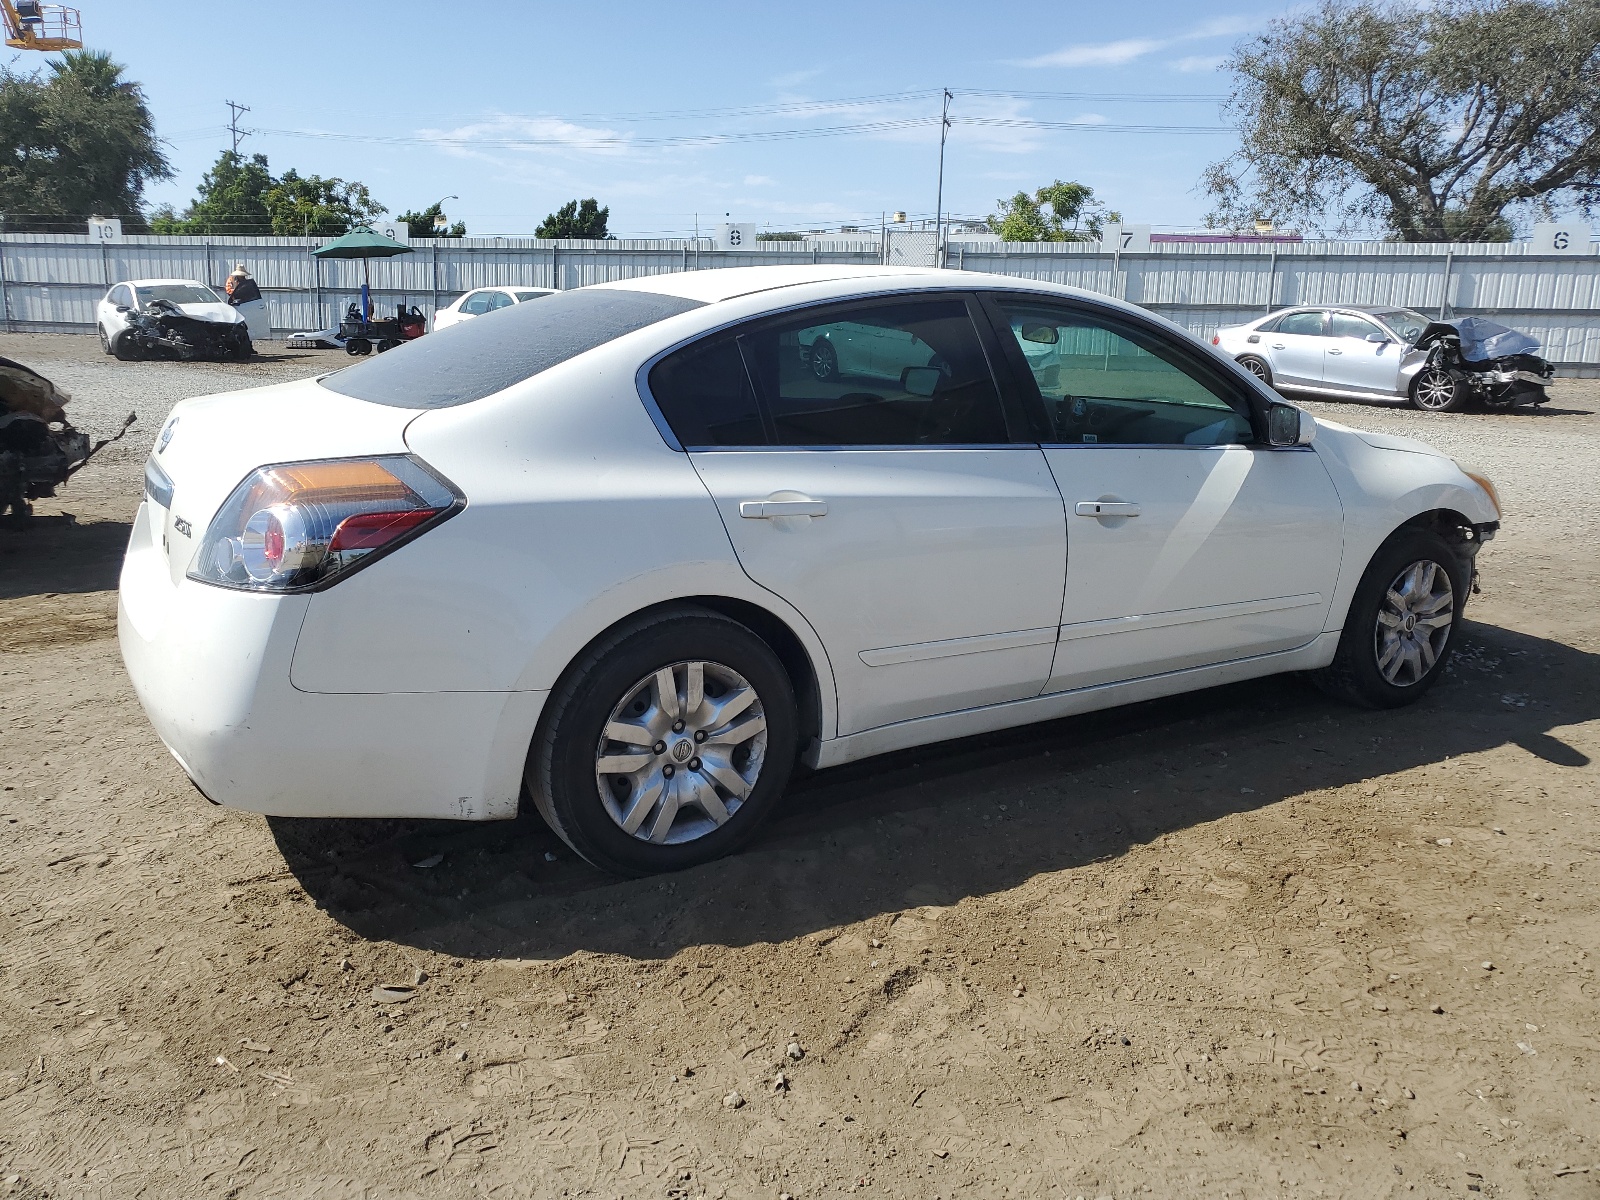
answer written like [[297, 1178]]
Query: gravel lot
[[1247, 943]]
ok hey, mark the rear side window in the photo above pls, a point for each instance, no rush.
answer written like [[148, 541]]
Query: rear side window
[[704, 393], [474, 359], [1307, 323]]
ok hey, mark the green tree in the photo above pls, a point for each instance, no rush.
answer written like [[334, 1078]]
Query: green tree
[[312, 206], [232, 199], [420, 224], [76, 144], [1057, 212], [576, 219], [778, 235], [1435, 122]]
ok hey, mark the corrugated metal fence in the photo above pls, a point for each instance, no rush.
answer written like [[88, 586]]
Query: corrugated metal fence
[[52, 281]]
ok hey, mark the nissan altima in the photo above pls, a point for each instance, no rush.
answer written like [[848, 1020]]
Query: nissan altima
[[636, 551]]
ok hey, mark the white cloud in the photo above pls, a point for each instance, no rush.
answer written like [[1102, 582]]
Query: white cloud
[[1126, 50], [759, 181], [505, 131], [794, 78], [1199, 63]]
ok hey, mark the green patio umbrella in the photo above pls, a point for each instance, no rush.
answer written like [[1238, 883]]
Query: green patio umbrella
[[364, 243]]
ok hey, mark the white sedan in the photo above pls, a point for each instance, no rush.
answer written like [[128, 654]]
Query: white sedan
[[191, 297], [484, 300], [626, 550]]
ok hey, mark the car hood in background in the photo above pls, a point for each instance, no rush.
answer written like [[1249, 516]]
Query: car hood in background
[[222, 314]]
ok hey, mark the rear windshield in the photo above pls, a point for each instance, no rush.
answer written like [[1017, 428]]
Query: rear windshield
[[477, 358]]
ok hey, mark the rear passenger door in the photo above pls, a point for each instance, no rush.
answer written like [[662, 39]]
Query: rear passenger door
[[1297, 347], [909, 521]]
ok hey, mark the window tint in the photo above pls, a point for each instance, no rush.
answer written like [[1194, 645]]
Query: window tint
[[1350, 325], [906, 373], [478, 303], [1104, 380], [500, 300], [1309, 323], [474, 359], [1407, 325], [177, 293], [704, 393], [525, 296]]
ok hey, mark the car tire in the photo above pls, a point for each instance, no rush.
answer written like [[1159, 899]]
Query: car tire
[[123, 348], [105, 342], [1384, 660], [824, 360], [1258, 367], [1434, 391], [618, 683]]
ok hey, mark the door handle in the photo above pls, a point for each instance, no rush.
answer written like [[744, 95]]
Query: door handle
[[1277, 345], [1334, 350], [1106, 508], [765, 510]]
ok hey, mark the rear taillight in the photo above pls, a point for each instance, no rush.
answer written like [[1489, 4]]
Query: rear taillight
[[299, 525]]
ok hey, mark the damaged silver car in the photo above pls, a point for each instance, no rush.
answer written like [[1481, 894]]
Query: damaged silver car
[[1396, 354]]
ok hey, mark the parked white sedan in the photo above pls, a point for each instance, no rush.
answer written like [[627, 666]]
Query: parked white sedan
[[484, 300], [629, 548]]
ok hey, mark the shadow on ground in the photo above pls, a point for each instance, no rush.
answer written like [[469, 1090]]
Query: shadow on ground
[[941, 823], [54, 554]]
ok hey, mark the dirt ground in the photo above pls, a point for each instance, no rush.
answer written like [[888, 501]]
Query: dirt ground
[[1246, 943]]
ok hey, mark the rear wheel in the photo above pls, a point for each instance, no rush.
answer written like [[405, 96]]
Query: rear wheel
[[105, 342], [666, 745], [1257, 367], [1434, 391], [1402, 623], [824, 360], [357, 346]]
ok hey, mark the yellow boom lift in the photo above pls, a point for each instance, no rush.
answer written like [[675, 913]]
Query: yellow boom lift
[[34, 26]]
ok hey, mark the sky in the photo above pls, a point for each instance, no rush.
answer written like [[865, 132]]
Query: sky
[[681, 116]]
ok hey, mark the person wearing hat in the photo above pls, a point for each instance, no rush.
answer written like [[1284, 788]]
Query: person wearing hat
[[245, 295]]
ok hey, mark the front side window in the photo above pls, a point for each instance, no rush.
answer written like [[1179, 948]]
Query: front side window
[[1308, 324], [1406, 324], [901, 373], [1348, 325], [1106, 380], [477, 304]]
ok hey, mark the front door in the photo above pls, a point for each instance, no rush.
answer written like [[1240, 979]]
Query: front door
[[1297, 346], [1188, 542], [925, 547], [1356, 363]]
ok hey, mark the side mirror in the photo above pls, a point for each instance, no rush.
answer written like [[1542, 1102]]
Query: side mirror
[[122, 308], [1038, 331], [1378, 339], [920, 381], [1290, 426]]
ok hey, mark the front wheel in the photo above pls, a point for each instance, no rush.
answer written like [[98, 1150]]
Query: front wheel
[[1402, 623], [125, 348], [1434, 391], [666, 745], [824, 360]]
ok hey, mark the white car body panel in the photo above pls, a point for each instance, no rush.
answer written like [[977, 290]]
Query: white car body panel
[[456, 311], [934, 578], [412, 687], [1228, 557]]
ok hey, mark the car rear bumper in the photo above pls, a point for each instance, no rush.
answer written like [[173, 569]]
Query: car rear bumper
[[211, 668]]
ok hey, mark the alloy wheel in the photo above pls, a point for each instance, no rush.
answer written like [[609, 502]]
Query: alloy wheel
[[824, 360], [681, 752], [1435, 390], [1256, 367], [1414, 622]]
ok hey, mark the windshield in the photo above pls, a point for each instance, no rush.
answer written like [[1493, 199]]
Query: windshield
[[1407, 324], [531, 295], [177, 293], [474, 359]]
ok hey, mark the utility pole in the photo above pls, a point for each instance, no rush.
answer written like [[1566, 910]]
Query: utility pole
[[938, 218], [233, 123]]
